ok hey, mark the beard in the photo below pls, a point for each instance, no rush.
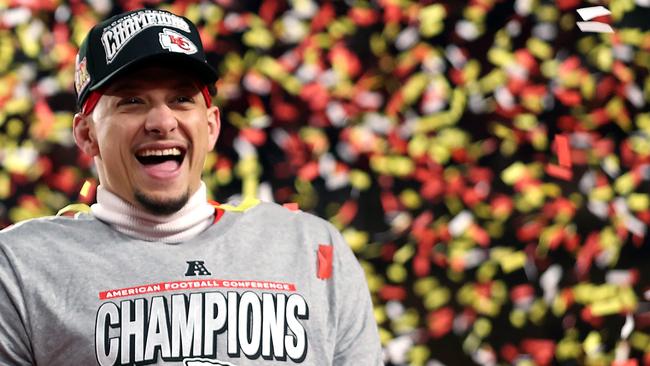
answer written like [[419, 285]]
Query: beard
[[162, 207]]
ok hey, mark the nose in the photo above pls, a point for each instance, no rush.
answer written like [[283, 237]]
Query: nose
[[160, 120]]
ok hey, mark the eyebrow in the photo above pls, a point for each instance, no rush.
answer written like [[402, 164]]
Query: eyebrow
[[126, 85]]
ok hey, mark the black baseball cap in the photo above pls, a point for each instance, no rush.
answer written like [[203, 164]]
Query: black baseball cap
[[129, 39]]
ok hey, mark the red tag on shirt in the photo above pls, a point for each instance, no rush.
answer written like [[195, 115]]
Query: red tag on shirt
[[325, 261]]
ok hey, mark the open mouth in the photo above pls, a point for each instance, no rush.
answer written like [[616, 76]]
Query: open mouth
[[168, 159]]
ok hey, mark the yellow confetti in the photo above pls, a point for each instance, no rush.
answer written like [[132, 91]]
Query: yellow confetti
[[246, 204], [425, 285], [5, 186], [539, 48], [482, 327], [431, 19], [396, 273], [604, 194], [259, 37], [403, 254], [592, 343], [414, 87], [512, 262], [357, 240], [517, 318], [410, 199], [640, 341], [419, 355], [85, 189], [76, 207], [437, 298], [513, 173]]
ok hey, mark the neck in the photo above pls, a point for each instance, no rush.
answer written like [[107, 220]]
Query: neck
[[186, 223]]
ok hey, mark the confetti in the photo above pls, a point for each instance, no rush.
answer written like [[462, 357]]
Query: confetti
[[325, 258], [596, 27], [442, 139], [592, 12]]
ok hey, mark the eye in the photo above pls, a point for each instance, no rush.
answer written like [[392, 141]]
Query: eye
[[129, 101], [183, 99]]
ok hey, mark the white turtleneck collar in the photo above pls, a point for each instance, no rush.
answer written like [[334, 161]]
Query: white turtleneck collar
[[192, 219]]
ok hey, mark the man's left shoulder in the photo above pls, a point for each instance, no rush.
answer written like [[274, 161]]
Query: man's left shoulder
[[291, 214]]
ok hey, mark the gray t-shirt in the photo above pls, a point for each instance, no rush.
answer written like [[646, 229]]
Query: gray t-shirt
[[253, 289]]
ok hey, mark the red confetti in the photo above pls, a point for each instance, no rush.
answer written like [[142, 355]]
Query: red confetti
[[325, 254], [563, 150], [440, 322], [291, 206], [559, 172]]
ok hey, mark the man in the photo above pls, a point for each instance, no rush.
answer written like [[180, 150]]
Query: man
[[155, 274]]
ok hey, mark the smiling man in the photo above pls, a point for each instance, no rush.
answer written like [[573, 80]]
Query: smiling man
[[154, 273]]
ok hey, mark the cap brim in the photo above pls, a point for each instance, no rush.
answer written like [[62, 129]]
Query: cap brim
[[202, 70]]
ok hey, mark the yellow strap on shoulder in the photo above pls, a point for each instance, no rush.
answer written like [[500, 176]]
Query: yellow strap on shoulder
[[248, 203], [75, 207]]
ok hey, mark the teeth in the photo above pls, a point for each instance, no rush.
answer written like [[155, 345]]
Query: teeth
[[164, 152]]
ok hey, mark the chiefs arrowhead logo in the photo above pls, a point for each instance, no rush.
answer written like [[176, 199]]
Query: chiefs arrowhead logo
[[176, 42]]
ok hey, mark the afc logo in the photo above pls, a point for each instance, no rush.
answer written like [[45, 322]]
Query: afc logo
[[176, 42], [196, 268]]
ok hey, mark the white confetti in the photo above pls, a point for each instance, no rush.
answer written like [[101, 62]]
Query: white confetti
[[397, 349], [262, 121], [513, 28], [244, 148], [477, 104], [336, 114], [294, 30], [455, 56], [485, 357], [628, 327], [256, 83], [12, 17], [595, 27], [369, 100], [623, 52], [378, 123], [101, 6], [460, 223], [394, 309], [611, 166], [434, 65], [523, 7], [549, 281], [467, 30], [62, 14], [337, 181], [326, 164], [328, 78], [633, 224], [304, 9], [48, 86], [346, 153], [279, 136], [407, 38], [635, 95], [605, 258], [474, 257], [598, 208], [504, 98], [265, 192], [545, 31], [587, 182], [592, 12], [619, 277]]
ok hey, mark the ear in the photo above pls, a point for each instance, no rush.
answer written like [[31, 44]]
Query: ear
[[214, 126], [83, 131]]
